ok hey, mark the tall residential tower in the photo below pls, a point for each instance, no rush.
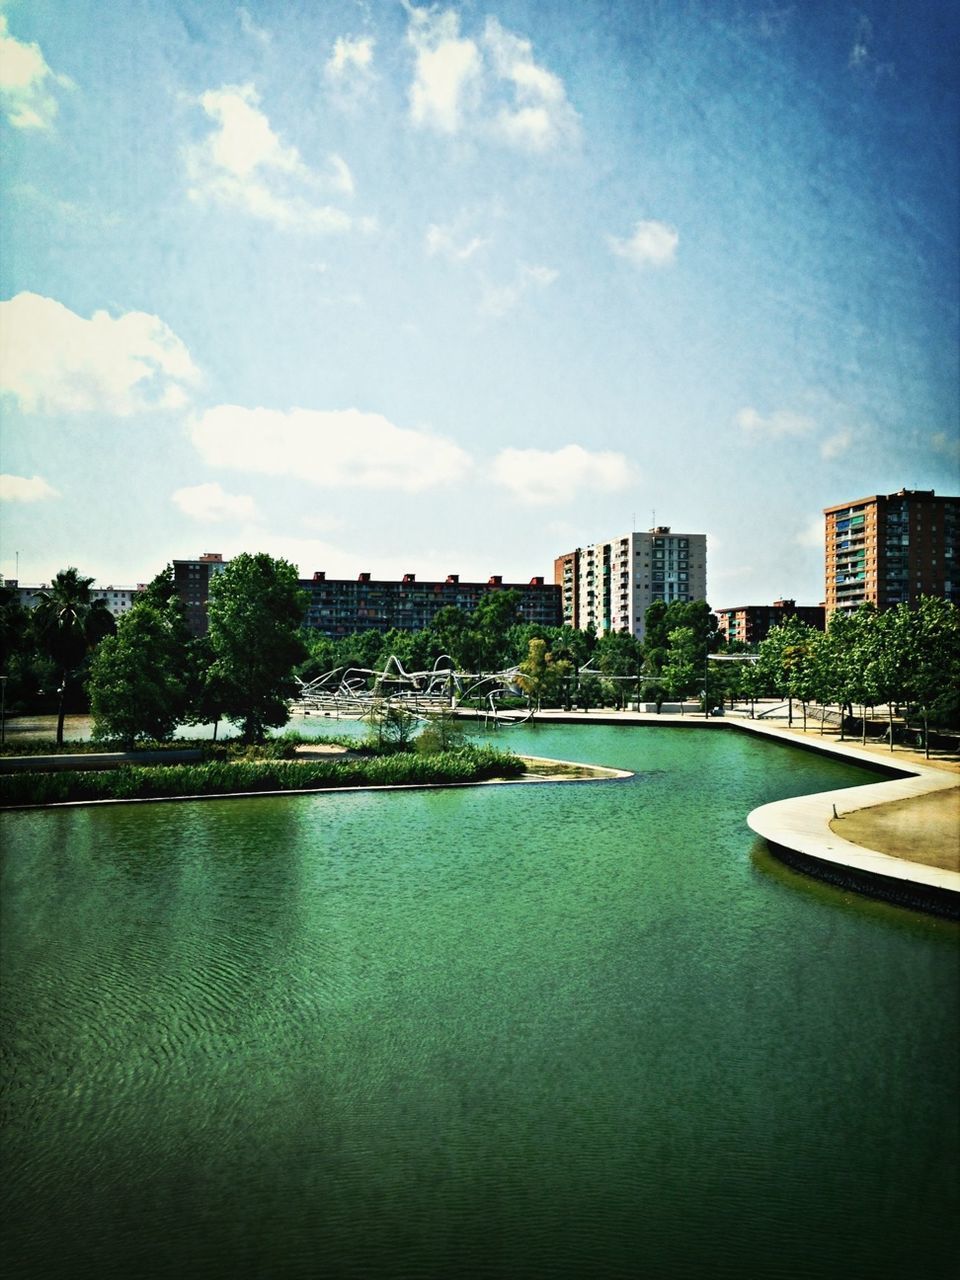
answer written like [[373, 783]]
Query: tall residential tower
[[890, 548], [609, 585]]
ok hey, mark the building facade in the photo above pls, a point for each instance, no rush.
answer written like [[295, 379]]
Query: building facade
[[610, 585], [751, 623], [117, 599], [192, 580], [342, 606], [891, 548]]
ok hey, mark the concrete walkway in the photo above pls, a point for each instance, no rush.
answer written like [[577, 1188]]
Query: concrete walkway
[[806, 830]]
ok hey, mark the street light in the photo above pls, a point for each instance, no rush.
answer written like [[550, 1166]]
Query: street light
[[3, 710]]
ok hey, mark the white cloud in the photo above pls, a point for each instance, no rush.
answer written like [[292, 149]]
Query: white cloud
[[540, 116], [349, 70], [812, 534], [653, 244], [539, 477], [350, 55], [448, 68], [862, 57], [329, 448], [245, 165], [499, 299], [947, 445], [775, 426], [836, 444], [493, 84], [250, 28], [20, 489], [450, 244], [25, 83], [54, 361], [210, 503]]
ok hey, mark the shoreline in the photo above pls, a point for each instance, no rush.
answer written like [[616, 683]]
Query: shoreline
[[802, 831]]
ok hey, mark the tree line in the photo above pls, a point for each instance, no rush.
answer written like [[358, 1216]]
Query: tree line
[[142, 675]]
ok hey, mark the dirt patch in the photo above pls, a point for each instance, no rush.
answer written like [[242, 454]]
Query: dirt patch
[[922, 829]]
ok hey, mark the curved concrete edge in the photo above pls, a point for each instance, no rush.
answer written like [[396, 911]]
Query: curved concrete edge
[[800, 828]]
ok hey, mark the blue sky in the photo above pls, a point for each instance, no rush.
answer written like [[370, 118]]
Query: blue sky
[[394, 288]]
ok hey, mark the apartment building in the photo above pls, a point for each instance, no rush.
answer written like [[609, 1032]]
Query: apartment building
[[192, 580], [117, 599], [751, 623], [610, 585], [341, 606], [891, 548]]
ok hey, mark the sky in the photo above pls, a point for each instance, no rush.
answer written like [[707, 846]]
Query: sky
[[390, 288]]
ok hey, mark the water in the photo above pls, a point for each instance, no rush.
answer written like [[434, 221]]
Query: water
[[569, 1030]]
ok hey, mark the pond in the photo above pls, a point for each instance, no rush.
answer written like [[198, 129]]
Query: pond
[[559, 1030]]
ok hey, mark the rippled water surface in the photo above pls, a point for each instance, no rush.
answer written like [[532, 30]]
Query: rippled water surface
[[568, 1030]]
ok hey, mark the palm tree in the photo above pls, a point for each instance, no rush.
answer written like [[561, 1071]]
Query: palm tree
[[68, 625]]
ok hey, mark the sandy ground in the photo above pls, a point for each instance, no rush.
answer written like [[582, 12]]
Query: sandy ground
[[949, 760], [925, 829]]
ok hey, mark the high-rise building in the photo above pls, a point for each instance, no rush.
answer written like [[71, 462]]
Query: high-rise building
[[341, 606], [192, 580], [891, 548], [610, 585], [751, 623]]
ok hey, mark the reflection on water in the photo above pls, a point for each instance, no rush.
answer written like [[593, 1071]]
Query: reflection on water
[[552, 1031]]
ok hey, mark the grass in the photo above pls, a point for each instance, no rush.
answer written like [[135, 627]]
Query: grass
[[220, 777]]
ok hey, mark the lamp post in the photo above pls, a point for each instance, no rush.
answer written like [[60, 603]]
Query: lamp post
[[3, 710]]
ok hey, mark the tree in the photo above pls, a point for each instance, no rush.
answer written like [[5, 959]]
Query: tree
[[681, 668], [68, 625], [542, 677], [496, 613], [933, 658], [255, 611], [137, 677], [787, 659], [618, 656]]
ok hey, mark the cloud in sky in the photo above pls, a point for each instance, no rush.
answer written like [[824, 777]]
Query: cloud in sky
[[447, 70], [243, 164], [492, 83], [449, 243], [812, 534], [499, 299], [653, 244], [26, 82], [330, 448], [541, 115], [539, 477], [349, 69], [212, 504], [21, 489], [775, 426], [837, 444], [249, 27], [946, 445], [54, 361]]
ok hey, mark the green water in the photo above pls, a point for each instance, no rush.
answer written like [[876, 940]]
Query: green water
[[558, 1031]]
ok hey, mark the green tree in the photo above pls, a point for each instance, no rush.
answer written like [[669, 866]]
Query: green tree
[[137, 677], [497, 612], [255, 610], [619, 657], [542, 677], [787, 660], [932, 664], [68, 625], [681, 668]]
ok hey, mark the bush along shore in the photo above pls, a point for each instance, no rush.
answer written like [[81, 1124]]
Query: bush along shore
[[223, 777]]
